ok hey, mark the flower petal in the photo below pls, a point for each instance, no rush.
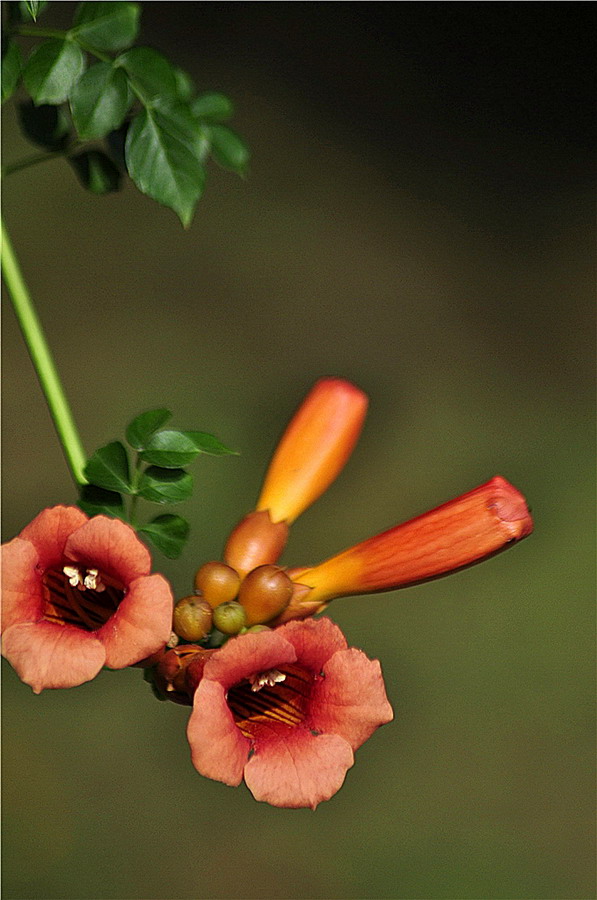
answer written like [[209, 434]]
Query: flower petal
[[218, 749], [22, 595], [351, 700], [458, 533], [315, 641], [299, 769], [314, 448], [111, 546], [142, 623], [49, 531], [46, 655], [246, 655]]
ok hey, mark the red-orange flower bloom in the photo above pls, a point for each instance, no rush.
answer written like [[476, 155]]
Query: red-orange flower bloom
[[77, 595], [285, 709]]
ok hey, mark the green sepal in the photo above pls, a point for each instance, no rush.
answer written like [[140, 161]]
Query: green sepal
[[108, 26], [98, 501], [109, 468], [228, 149], [52, 70], [96, 171], [161, 485], [163, 157], [47, 126], [99, 101], [140, 430], [212, 107], [11, 68], [168, 533]]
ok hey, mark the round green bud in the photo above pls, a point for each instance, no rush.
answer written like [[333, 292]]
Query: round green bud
[[229, 617]]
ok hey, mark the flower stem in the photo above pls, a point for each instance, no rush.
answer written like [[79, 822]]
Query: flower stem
[[33, 160], [42, 361]]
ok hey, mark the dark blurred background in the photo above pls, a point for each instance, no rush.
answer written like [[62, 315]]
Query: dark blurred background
[[419, 219]]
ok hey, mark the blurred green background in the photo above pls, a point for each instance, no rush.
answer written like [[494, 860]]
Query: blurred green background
[[418, 219]]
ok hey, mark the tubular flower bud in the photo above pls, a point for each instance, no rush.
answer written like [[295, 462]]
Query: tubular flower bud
[[458, 533], [217, 583], [264, 594], [314, 448], [256, 540]]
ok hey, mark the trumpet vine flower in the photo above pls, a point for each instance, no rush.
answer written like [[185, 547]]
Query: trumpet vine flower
[[77, 594], [285, 709]]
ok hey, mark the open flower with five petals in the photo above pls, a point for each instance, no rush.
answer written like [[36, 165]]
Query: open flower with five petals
[[285, 709], [77, 594]]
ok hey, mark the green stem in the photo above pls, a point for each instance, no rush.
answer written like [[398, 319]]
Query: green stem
[[42, 361], [33, 160]]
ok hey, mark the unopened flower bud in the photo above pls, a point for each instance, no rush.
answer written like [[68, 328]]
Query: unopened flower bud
[[229, 617], [265, 593], [217, 583], [192, 618], [255, 540]]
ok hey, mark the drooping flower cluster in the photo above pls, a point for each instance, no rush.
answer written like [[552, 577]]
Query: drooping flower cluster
[[278, 697]]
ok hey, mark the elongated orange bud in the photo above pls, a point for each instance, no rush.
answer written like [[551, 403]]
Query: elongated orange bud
[[255, 540], [313, 449], [456, 534]]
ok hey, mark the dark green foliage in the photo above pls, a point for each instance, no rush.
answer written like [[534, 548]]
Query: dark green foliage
[[143, 107], [157, 475], [47, 126]]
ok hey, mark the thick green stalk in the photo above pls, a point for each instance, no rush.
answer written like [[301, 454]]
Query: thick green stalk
[[42, 361]]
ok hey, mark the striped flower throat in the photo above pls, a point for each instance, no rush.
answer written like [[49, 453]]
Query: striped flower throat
[[80, 596], [272, 699]]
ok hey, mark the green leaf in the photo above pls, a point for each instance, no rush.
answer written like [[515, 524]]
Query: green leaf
[[107, 26], [142, 427], [99, 101], [109, 468], [152, 74], [95, 501], [228, 149], [46, 126], [96, 171], [213, 107], [163, 155], [207, 443], [165, 485], [32, 8], [52, 70], [184, 84], [11, 68], [170, 449], [168, 533]]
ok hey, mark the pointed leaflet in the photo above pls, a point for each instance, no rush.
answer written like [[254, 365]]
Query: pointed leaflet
[[96, 171], [107, 26], [168, 533], [172, 449], [213, 107], [11, 68], [151, 74], [227, 148], [99, 101], [95, 501], [142, 427], [163, 156], [161, 485], [109, 468], [52, 70]]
